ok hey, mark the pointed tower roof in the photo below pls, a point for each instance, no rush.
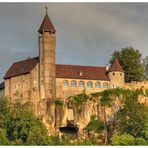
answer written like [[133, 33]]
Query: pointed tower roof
[[115, 66], [46, 24]]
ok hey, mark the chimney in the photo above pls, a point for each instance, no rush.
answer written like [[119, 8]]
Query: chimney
[[107, 67]]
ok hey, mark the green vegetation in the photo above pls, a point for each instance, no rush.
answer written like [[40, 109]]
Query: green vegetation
[[80, 98], [20, 127], [127, 139], [94, 125], [131, 61], [58, 102], [145, 64]]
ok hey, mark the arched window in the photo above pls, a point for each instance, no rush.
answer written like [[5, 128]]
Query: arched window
[[81, 84], [89, 84], [105, 85], [73, 83], [97, 85], [65, 83]]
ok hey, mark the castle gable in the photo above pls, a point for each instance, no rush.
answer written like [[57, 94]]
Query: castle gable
[[21, 67]]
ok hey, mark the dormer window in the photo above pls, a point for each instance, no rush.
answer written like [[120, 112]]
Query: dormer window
[[80, 73]]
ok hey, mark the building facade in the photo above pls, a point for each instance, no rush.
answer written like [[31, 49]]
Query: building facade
[[41, 77]]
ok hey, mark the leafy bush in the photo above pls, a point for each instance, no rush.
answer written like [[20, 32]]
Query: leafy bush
[[124, 139], [95, 125], [58, 102]]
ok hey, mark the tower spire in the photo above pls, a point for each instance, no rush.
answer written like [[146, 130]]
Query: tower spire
[[46, 24]]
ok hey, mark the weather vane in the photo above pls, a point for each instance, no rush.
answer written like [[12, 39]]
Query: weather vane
[[46, 8]]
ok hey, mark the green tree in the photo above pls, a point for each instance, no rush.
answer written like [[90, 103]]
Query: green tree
[[145, 64], [20, 126], [140, 141], [106, 101], [95, 125], [26, 128], [80, 98], [132, 117], [124, 139], [131, 61], [144, 131], [3, 137]]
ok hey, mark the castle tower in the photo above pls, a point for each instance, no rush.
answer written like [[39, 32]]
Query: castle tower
[[47, 41], [47, 72], [116, 75]]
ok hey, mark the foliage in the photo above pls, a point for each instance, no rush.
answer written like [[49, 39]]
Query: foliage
[[58, 102], [3, 137], [89, 141], [127, 139], [80, 98], [140, 141], [124, 139], [145, 64], [105, 98], [133, 115], [94, 124], [130, 60], [20, 127], [144, 131], [55, 140]]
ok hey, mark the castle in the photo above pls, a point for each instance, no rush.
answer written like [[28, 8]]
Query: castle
[[40, 80]]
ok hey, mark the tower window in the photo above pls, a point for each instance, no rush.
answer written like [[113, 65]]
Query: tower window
[[97, 85], [113, 73], [73, 83], [81, 84], [120, 74], [89, 84], [65, 83], [105, 85]]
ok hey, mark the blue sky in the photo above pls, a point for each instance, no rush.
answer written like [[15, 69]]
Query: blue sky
[[87, 33]]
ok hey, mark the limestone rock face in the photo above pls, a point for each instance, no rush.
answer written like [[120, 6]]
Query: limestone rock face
[[78, 114], [47, 113], [68, 113]]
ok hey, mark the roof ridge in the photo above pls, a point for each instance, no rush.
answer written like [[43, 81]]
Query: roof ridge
[[23, 60], [81, 65]]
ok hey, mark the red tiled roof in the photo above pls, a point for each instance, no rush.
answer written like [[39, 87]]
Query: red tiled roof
[[115, 66], [46, 25], [81, 72], [21, 67], [62, 71]]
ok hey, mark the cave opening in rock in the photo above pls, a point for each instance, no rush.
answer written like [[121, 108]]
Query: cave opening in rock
[[70, 129]]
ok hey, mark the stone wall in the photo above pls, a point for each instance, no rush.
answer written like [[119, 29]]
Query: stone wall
[[116, 79], [66, 91], [135, 84]]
